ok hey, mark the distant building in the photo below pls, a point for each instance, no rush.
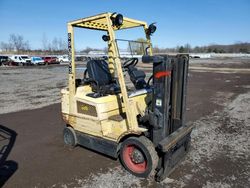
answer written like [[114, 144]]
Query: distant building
[[97, 53]]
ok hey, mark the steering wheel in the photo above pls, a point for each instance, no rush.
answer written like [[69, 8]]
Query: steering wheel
[[149, 80], [85, 74], [129, 62]]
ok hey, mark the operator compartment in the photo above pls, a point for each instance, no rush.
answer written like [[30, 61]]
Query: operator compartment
[[99, 97]]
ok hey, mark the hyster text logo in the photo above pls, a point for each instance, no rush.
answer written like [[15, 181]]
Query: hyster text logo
[[70, 53], [84, 108]]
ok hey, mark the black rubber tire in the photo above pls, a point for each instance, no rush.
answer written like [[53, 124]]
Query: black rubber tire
[[187, 144], [147, 148], [69, 136]]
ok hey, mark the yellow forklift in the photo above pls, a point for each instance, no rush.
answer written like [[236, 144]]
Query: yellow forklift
[[145, 128]]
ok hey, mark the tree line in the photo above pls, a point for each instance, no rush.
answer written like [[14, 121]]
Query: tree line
[[15, 43], [18, 44], [239, 47]]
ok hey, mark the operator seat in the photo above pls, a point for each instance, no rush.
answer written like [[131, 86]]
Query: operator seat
[[100, 78]]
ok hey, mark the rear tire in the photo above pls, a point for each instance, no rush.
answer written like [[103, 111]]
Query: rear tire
[[69, 136], [138, 156]]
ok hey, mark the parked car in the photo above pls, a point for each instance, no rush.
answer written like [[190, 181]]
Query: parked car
[[5, 60], [37, 61], [21, 59], [50, 60], [63, 59]]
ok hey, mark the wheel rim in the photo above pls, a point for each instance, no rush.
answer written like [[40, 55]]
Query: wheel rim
[[128, 157]]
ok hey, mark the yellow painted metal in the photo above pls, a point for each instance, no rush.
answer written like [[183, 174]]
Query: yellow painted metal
[[102, 125], [148, 40], [111, 57], [128, 104], [72, 88], [112, 54], [99, 22]]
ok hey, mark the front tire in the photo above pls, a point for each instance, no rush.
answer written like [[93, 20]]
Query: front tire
[[69, 136], [138, 156]]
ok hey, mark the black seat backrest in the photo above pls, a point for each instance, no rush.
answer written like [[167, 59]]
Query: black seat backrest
[[99, 72]]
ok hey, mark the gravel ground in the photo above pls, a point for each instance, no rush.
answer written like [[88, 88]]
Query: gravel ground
[[222, 62], [29, 88]]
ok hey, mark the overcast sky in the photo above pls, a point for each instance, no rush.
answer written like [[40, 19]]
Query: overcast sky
[[178, 22]]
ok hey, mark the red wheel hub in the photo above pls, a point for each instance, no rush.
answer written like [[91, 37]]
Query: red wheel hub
[[130, 161]]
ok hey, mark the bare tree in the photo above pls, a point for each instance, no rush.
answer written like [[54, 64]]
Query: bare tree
[[45, 42], [18, 43], [187, 48], [62, 45], [54, 44], [156, 49], [6, 46], [49, 47]]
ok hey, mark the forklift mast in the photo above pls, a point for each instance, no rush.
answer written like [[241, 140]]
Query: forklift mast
[[168, 130], [167, 112]]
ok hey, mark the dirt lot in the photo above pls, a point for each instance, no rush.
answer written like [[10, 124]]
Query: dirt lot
[[218, 104]]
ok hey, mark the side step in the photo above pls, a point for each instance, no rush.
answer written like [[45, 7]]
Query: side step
[[98, 144]]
